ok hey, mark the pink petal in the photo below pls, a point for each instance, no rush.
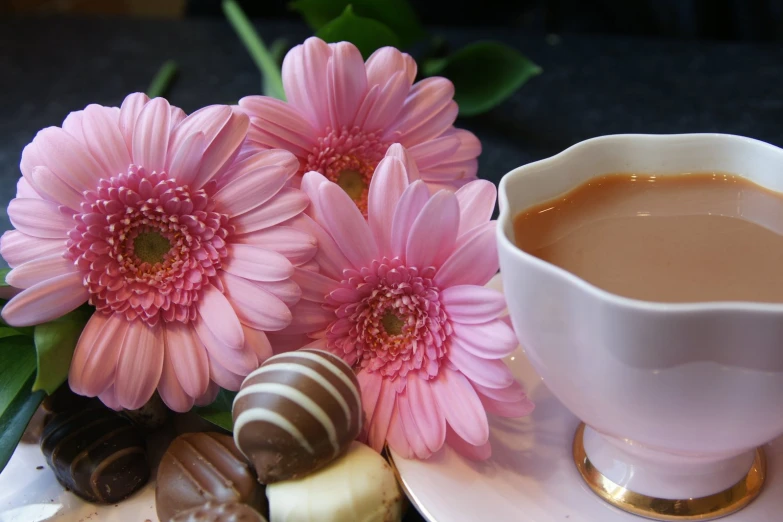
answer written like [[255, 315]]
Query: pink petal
[[104, 140], [381, 416], [129, 113], [31, 158], [453, 174], [472, 304], [109, 398], [73, 124], [408, 208], [140, 364], [257, 264], [189, 358], [18, 248], [412, 433], [385, 63], [254, 306], [519, 408], [282, 342], [347, 226], [67, 158], [434, 152], [278, 125], [304, 75], [466, 449], [410, 67], [370, 388], [298, 246], [54, 189], [315, 287], [39, 270], [388, 183], [169, 388], [473, 263], [396, 437], [209, 396], [492, 340], [469, 148], [237, 360], [46, 300], [329, 257], [184, 160], [287, 290], [25, 190], [219, 317], [311, 185], [39, 218], [94, 362], [460, 404], [253, 189], [151, 135], [222, 149], [476, 204], [257, 342], [513, 393], [346, 83], [492, 373], [309, 317], [433, 233], [380, 110], [250, 160], [396, 150], [424, 407], [426, 99], [435, 125], [286, 204], [224, 378], [208, 120]]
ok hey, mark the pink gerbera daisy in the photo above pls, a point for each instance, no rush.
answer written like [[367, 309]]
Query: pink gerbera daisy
[[402, 299], [342, 114], [172, 234]]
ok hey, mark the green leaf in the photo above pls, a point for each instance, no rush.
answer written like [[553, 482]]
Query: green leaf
[[484, 74], [55, 342], [7, 331], [3, 273], [365, 33], [15, 418], [396, 15], [17, 365], [219, 412], [272, 79], [161, 82]]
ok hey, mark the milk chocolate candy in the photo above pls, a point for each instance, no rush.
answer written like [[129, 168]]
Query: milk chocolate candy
[[229, 512], [296, 413], [204, 467], [96, 453]]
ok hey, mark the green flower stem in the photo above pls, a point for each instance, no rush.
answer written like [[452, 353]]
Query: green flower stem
[[256, 47], [162, 81]]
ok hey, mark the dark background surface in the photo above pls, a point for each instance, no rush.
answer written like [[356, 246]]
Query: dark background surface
[[593, 84]]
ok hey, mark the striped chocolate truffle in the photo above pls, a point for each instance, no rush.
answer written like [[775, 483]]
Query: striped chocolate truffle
[[296, 413], [229, 512], [96, 453]]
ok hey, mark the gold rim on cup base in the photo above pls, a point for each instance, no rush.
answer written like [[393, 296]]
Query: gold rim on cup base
[[704, 508]]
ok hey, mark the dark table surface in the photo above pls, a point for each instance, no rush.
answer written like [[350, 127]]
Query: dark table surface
[[591, 85]]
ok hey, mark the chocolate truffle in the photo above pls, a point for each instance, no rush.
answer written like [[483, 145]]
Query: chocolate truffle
[[150, 417], [204, 467], [229, 512], [96, 453], [296, 413], [358, 486]]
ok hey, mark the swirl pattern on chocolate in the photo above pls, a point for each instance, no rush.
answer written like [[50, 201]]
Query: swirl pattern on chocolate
[[204, 467], [296, 413]]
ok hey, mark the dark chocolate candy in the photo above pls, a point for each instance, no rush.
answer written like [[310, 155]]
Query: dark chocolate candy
[[96, 453], [229, 512], [62, 400], [296, 413], [150, 417], [204, 467]]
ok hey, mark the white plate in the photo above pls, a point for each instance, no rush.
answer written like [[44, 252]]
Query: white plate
[[531, 476]]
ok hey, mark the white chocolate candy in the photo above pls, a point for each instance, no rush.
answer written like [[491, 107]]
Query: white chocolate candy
[[358, 487]]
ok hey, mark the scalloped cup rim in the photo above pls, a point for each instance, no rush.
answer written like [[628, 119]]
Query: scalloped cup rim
[[505, 216]]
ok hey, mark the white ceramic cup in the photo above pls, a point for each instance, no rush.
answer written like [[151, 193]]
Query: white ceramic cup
[[676, 397]]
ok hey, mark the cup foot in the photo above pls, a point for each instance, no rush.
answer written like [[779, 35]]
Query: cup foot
[[702, 508]]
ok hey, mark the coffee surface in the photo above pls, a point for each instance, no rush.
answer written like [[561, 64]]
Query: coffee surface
[[677, 238]]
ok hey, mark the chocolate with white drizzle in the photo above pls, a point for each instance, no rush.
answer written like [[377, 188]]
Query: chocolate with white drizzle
[[296, 413], [211, 512]]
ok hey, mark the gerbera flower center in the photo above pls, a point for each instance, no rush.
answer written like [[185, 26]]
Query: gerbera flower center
[[148, 246], [151, 247], [389, 319], [348, 157]]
